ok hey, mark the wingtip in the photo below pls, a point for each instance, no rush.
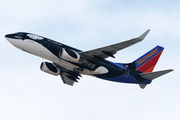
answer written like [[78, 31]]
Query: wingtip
[[171, 70], [144, 35]]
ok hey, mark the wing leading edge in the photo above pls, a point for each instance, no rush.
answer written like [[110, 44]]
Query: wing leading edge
[[110, 50]]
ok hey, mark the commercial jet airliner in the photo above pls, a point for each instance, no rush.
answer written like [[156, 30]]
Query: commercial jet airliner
[[70, 63]]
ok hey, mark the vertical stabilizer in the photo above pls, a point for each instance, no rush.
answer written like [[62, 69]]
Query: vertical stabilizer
[[147, 62]]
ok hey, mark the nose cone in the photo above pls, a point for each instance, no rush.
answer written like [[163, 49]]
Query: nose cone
[[14, 40], [9, 36]]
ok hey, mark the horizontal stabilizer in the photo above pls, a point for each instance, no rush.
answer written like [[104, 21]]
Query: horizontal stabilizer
[[153, 75]]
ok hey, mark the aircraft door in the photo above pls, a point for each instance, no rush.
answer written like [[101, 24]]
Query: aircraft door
[[127, 71]]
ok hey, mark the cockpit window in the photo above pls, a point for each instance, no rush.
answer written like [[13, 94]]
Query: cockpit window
[[19, 35], [35, 37]]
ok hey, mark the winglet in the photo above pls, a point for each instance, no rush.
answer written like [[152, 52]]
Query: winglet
[[144, 35]]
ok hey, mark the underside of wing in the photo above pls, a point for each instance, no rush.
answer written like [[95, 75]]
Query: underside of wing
[[67, 80], [110, 50], [69, 77]]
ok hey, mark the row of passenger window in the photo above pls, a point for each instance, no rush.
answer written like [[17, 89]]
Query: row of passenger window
[[50, 43], [112, 66]]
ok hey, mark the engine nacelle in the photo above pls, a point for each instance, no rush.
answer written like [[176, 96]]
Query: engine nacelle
[[50, 68], [69, 55]]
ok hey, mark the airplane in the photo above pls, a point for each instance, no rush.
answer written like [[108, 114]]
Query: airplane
[[70, 63]]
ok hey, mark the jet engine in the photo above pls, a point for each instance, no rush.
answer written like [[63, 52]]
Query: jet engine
[[50, 68], [69, 55]]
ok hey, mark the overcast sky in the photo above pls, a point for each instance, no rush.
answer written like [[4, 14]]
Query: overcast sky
[[27, 93]]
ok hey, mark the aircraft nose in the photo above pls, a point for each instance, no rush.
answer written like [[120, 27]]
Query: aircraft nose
[[9, 36]]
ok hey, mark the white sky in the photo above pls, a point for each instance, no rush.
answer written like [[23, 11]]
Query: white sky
[[26, 93]]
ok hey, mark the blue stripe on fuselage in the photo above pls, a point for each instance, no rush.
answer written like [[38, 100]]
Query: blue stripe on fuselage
[[126, 79], [120, 65]]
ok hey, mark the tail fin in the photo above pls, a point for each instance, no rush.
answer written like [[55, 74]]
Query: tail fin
[[147, 62], [145, 65]]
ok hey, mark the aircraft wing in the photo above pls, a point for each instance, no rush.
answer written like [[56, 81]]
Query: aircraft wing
[[69, 77], [67, 80], [110, 50]]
